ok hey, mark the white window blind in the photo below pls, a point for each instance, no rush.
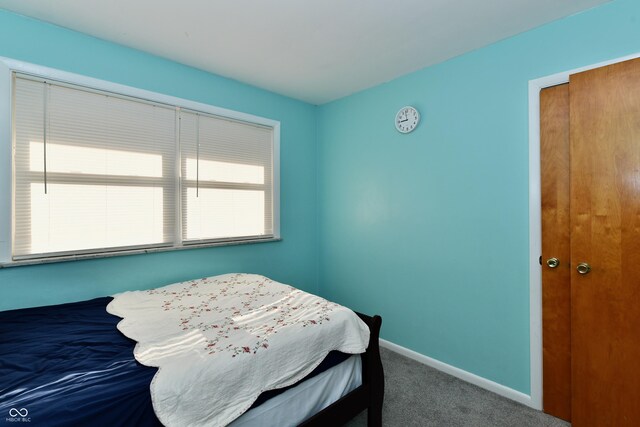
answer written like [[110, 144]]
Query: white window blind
[[92, 171], [100, 168], [227, 178]]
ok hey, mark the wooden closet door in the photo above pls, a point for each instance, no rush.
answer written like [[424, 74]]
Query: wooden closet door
[[556, 279], [605, 233]]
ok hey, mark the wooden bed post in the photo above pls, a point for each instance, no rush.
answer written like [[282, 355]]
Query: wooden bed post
[[374, 374]]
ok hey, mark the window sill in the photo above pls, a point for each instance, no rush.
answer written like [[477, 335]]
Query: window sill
[[79, 257]]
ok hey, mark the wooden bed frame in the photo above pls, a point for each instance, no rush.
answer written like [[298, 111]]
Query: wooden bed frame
[[369, 395]]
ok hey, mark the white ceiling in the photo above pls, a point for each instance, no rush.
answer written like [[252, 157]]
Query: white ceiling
[[315, 51]]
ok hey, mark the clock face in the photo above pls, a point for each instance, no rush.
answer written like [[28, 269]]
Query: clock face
[[407, 119]]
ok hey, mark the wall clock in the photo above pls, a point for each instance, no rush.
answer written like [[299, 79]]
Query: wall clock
[[407, 119]]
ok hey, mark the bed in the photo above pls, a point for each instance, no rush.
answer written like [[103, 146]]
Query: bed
[[70, 365]]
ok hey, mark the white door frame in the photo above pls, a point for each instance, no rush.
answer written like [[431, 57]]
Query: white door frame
[[535, 218]]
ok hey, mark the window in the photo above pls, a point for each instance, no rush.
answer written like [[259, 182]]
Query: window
[[226, 178], [96, 171], [109, 175]]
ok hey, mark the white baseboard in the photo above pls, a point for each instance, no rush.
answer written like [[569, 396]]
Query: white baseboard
[[459, 373]]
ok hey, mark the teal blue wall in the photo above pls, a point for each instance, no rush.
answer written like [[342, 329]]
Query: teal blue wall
[[430, 229], [293, 260]]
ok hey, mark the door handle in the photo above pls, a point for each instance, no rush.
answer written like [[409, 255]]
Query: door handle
[[553, 262], [583, 268]]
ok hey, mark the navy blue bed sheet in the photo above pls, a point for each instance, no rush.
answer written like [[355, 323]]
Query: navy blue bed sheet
[[68, 365]]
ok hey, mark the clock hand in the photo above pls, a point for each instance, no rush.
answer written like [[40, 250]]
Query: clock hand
[[405, 120]]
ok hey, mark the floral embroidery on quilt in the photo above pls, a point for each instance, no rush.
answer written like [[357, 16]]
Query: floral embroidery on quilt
[[221, 307]]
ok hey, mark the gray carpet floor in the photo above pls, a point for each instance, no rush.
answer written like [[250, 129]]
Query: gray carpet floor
[[418, 395]]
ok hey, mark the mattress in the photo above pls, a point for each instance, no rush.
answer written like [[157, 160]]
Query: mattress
[[68, 365], [305, 399]]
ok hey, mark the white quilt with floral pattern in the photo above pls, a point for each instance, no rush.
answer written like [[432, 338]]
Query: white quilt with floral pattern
[[221, 341]]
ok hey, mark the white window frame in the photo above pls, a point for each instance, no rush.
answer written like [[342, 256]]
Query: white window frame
[[8, 66]]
